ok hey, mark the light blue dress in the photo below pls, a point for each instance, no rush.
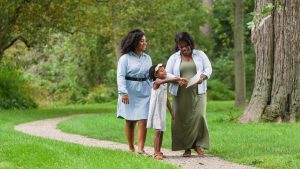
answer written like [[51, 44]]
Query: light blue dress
[[138, 91]]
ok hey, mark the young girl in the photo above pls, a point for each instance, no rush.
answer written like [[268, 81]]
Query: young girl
[[158, 102]]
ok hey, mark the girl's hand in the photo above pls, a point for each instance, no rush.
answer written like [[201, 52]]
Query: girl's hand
[[182, 81], [158, 81], [125, 99]]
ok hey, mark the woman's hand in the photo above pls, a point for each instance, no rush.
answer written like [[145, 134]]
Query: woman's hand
[[200, 81], [182, 81], [125, 99], [202, 78]]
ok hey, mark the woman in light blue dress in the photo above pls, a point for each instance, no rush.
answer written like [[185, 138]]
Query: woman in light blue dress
[[134, 87]]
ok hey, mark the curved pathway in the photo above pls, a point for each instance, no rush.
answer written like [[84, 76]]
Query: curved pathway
[[47, 129]]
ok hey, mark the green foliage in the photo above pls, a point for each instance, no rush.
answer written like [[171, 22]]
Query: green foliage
[[75, 43], [219, 91], [68, 68], [259, 17], [101, 93], [14, 89], [222, 55]]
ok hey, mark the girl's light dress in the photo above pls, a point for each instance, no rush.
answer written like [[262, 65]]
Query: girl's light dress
[[157, 109]]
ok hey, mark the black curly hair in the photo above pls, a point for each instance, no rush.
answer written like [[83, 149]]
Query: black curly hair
[[131, 40], [152, 72], [184, 37]]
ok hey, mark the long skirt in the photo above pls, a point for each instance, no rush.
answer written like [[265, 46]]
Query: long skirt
[[190, 127]]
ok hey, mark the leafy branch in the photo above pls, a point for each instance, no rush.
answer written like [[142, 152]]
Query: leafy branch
[[258, 18]]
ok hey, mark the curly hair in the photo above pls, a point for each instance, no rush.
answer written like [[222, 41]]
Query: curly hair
[[152, 72], [130, 42], [184, 37]]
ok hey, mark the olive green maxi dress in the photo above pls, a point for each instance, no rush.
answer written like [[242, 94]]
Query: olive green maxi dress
[[190, 126]]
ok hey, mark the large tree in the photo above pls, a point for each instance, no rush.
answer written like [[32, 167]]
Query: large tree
[[276, 39]]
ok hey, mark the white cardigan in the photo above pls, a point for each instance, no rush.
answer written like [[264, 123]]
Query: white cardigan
[[203, 66]]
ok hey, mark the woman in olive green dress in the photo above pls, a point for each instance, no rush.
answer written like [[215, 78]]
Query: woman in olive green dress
[[189, 130]]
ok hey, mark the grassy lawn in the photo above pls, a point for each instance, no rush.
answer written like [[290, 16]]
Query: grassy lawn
[[21, 151], [265, 145]]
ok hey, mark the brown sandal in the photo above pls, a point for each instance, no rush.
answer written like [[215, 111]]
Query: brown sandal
[[200, 152], [158, 156], [162, 154], [187, 153]]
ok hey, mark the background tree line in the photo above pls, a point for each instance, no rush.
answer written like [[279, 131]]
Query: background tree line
[[66, 51]]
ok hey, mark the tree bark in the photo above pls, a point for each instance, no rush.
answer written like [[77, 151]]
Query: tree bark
[[115, 40], [239, 59], [276, 39], [207, 28]]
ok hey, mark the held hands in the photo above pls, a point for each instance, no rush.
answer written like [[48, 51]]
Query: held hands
[[125, 99], [182, 81]]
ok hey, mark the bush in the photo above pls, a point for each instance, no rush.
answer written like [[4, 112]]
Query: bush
[[14, 91], [101, 94], [219, 91]]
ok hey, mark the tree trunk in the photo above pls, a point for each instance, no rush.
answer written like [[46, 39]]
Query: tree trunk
[[207, 28], [276, 39], [115, 40], [239, 60]]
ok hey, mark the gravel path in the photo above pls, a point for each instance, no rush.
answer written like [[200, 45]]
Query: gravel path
[[47, 128]]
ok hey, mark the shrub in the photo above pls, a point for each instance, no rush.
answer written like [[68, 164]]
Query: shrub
[[14, 91], [219, 91], [101, 94]]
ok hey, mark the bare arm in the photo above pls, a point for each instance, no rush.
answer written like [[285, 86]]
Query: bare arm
[[170, 80]]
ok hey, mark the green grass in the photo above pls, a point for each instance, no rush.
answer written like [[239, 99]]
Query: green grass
[[21, 151], [265, 145]]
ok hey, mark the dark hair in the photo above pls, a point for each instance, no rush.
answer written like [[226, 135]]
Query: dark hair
[[130, 42], [184, 37], [152, 72]]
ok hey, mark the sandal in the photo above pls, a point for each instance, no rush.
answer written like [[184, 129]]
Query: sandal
[[187, 153], [200, 152], [158, 156], [143, 153], [132, 150], [163, 155]]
